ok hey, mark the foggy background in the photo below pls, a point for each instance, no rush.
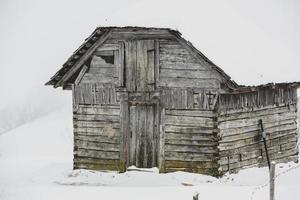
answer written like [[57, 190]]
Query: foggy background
[[255, 42]]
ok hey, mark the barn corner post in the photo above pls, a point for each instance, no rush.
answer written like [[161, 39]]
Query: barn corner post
[[161, 156], [124, 132]]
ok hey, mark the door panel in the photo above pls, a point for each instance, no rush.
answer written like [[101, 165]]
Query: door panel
[[140, 65], [143, 138]]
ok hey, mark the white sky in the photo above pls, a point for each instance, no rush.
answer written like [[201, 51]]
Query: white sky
[[254, 41]]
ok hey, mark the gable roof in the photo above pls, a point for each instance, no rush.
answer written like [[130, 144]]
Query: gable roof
[[77, 59]]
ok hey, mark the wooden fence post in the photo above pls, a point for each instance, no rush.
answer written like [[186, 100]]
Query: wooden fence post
[[272, 181]]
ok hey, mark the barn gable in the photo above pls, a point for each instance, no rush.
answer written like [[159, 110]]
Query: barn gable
[[169, 38]]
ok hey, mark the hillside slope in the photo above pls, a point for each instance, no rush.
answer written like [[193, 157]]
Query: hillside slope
[[36, 163]]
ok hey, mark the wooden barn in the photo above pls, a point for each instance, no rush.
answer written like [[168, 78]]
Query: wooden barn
[[149, 98]]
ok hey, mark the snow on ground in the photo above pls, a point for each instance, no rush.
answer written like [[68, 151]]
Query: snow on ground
[[36, 163]]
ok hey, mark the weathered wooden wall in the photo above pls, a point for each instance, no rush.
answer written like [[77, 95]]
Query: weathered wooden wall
[[97, 137], [240, 143], [154, 82], [189, 141]]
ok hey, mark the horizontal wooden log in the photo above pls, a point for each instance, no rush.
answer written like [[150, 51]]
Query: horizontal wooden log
[[80, 159], [97, 145], [191, 113], [254, 153], [177, 57], [95, 124], [240, 143], [97, 154], [189, 164], [265, 109], [191, 149], [256, 134], [253, 147], [269, 128], [190, 129], [279, 158], [196, 74], [180, 65], [184, 82], [183, 156], [211, 171], [268, 111], [254, 121], [104, 139], [106, 131], [191, 142], [193, 136], [103, 110], [99, 118], [97, 167], [186, 120]]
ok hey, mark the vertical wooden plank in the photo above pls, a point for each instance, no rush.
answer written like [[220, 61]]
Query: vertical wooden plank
[[124, 114], [149, 135], [156, 133], [161, 157], [133, 132], [272, 181], [145, 65], [157, 67], [130, 65], [121, 64]]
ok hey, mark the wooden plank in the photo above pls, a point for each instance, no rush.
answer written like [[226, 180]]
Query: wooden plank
[[202, 137], [256, 134], [180, 65], [190, 142], [232, 145], [161, 155], [157, 64], [190, 149], [287, 156], [191, 113], [190, 129], [133, 134], [97, 154], [131, 61], [98, 138], [187, 164], [124, 137], [98, 167], [188, 73], [265, 109], [80, 75], [89, 145], [184, 82], [269, 127], [100, 118], [108, 47], [106, 131], [183, 156], [186, 120], [254, 121], [94, 124], [121, 67]]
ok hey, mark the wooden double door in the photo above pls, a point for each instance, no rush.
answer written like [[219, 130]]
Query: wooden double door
[[143, 135], [140, 83]]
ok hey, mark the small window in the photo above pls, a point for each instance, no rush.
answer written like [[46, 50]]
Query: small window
[[107, 56]]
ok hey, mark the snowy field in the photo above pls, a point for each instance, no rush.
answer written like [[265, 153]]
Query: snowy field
[[36, 164]]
